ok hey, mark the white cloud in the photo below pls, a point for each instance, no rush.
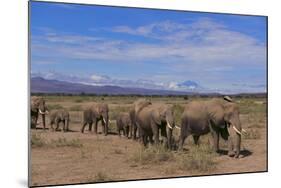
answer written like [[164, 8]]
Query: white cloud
[[198, 49]]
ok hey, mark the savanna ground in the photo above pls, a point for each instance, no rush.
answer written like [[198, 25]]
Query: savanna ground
[[73, 157]]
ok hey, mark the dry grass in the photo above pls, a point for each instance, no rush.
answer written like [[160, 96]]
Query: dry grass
[[63, 142], [38, 141], [251, 134], [199, 159], [155, 154], [76, 108]]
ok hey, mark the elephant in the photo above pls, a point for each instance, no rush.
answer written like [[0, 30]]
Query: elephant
[[137, 106], [151, 118], [124, 123], [58, 116], [95, 113], [218, 116], [38, 106]]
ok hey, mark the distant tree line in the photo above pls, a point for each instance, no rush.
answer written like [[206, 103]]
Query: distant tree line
[[185, 97]]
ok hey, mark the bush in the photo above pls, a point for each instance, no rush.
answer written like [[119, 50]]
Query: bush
[[62, 142], [199, 159], [152, 155], [251, 134], [37, 141]]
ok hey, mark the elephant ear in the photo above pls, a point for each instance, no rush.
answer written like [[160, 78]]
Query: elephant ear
[[228, 110], [35, 101], [156, 116]]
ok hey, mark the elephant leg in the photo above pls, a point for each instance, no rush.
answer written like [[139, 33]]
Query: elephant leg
[[135, 132], [67, 125], [90, 127], [144, 140], [164, 136], [128, 131], [34, 119], [130, 135], [119, 132], [83, 127], [57, 125], [215, 136], [96, 127], [103, 127], [181, 142], [230, 153], [64, 128], [196, 139], [155, 131]]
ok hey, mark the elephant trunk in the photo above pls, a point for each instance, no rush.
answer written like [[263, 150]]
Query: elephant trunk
[[237, 145], [44, 121], [236, 125], [105, 120], [169, 138]]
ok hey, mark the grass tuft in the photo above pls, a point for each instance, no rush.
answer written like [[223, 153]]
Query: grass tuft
[[37, 141], [152, 155], [251, 134], [199, 159], [62, 142]]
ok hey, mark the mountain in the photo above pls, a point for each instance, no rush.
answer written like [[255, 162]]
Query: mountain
[[41, 85]]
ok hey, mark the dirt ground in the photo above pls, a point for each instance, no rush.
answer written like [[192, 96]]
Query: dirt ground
[[73, 157]]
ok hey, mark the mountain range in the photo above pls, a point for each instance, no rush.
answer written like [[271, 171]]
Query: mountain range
[[42, 85]]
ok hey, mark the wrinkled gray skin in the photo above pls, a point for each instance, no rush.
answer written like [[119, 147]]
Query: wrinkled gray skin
[[137, 106], [124, 123], [216, 116], [134, 128], [38, 106], [59, 116], [151, 119], [92, 115]]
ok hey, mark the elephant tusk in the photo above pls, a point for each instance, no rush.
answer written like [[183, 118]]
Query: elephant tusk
[[103, 120], [47, 112], [177, 127], [244, 131], [109, 121], [168, 124], [236, 130], [41, 112]]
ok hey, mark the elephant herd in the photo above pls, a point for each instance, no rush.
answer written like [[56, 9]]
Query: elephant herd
[[147, 121]]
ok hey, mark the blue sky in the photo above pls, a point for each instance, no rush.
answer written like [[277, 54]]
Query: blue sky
[[160, 49]]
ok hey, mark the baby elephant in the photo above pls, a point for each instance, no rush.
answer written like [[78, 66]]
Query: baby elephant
[[59, 116], [124, 123]]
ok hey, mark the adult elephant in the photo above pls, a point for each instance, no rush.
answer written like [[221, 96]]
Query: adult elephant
[[38, 106], [218, 116], [155, 117], [135, 108], [95, 113]]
